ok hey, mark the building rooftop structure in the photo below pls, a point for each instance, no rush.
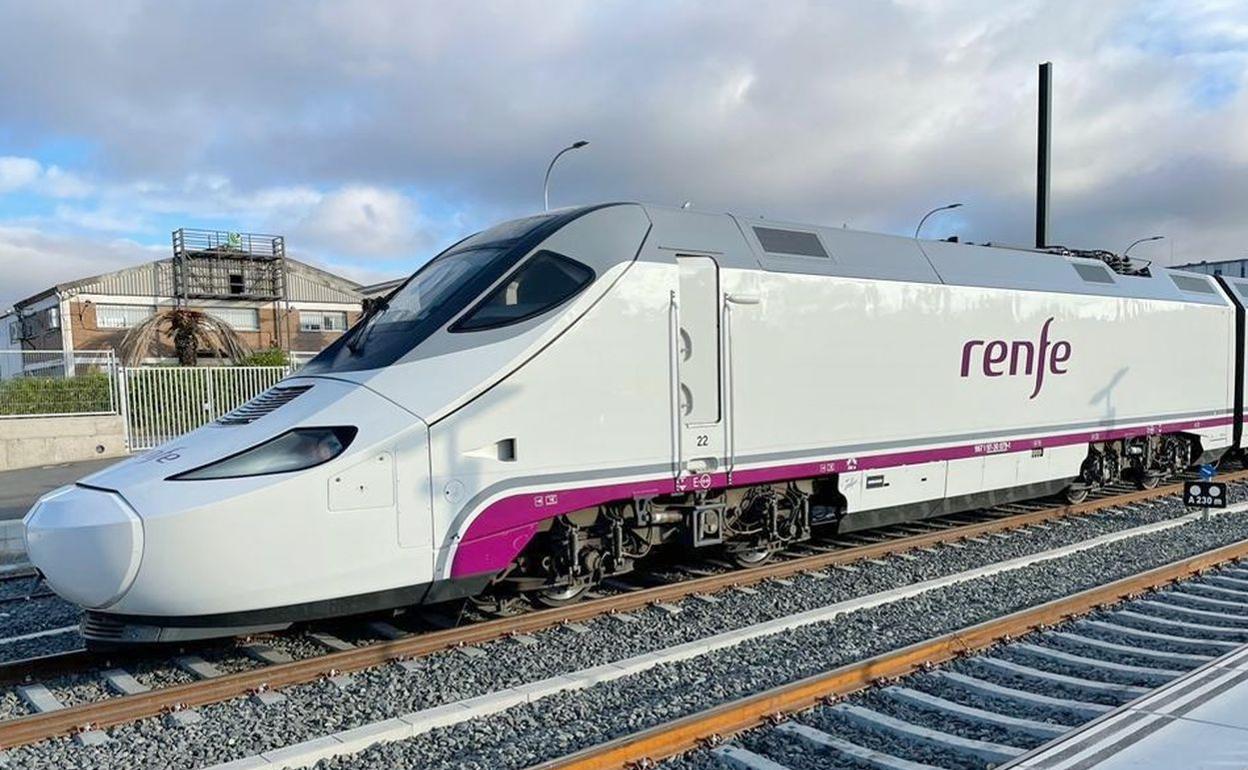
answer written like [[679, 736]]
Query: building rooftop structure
[[246, 280], [1237, 268], [381, 288]]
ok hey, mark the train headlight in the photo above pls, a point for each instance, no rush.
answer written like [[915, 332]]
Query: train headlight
[[293, 450]]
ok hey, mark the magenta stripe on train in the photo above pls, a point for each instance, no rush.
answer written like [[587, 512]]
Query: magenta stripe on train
[[501, 531]]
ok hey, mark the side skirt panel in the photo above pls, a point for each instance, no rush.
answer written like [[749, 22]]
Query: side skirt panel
[[882, 517]]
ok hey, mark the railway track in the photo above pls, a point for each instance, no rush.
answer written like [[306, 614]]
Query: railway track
[[977, 698], [39, 593], [21, 585], [266, 673]]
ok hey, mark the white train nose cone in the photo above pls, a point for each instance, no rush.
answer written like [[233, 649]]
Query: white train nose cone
[[87, 542]]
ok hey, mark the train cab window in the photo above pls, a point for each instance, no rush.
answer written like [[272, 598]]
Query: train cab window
[[543, 282], [435, 294]]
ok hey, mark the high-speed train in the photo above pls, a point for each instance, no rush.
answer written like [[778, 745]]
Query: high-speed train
[[547, 402]]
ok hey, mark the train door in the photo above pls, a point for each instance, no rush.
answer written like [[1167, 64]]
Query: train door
[[699, 419]]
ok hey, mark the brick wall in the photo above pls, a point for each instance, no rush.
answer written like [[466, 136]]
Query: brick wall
[[89, 336], [86, 334]]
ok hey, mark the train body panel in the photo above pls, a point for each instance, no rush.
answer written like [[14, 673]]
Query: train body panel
[[804, 344], [551, 414], [927, 364], [284, 537], [547, 400], [930, 366]]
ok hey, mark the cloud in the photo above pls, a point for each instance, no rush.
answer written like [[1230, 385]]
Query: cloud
[[105, 219], [385, 129], [362, 232], [363, 274], [30, 175], [32, 261], [359, 220], [16, 173]]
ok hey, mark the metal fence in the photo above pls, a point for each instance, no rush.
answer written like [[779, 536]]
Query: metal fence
[[300, 357], [55, 382], [157, 403], [161, 403]]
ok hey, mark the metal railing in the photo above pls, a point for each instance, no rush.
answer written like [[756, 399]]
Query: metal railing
[[188, 240], [300, 357], [157, 403], [48, 383], [228, 265], [161, 403]]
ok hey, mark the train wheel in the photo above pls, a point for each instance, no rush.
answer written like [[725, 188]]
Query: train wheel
[[1076, 495], [752, 557], [561, 596], [1149, 480]]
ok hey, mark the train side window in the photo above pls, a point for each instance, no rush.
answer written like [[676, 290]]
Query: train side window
[[1092, 273], [543, 282], [790, 242], [1192, 284]]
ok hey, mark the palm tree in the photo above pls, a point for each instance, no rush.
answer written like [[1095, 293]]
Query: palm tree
[[192, 330]]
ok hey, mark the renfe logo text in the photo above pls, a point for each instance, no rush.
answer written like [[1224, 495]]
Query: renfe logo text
[[998, 358]]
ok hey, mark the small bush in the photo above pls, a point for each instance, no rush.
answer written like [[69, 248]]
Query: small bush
[[270, 357], [55, 395]]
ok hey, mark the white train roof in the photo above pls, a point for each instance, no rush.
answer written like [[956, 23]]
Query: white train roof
[[816, 250]]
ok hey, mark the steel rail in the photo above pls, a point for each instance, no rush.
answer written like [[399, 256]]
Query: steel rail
[[26, 670], [129, 708], [18, 598], [710, 727]]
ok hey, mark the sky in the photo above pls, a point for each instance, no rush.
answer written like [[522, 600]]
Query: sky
[[372, 134]]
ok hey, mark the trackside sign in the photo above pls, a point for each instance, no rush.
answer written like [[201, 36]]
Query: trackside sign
[[1204, 494]]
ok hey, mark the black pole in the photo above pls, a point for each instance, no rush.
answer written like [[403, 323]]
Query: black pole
[[1042, 155]]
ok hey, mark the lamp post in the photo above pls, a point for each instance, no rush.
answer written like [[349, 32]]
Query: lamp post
[[933, 211], [546, 183], [1141, 240]]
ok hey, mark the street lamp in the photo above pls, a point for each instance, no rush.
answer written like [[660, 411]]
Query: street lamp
[[1142, 240], [933, 211], [546, 184]]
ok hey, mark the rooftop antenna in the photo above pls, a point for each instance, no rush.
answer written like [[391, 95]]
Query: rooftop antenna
[[1043, 127]]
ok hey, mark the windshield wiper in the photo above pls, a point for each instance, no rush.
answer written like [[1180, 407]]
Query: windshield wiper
[[365, 327]]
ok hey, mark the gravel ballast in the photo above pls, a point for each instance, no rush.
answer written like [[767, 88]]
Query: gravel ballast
[[42, 614], [579, 719], [571, 720], [1087, 676]]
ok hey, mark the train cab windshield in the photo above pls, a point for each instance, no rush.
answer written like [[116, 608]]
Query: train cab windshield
[[432, 288], [446, 285]]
